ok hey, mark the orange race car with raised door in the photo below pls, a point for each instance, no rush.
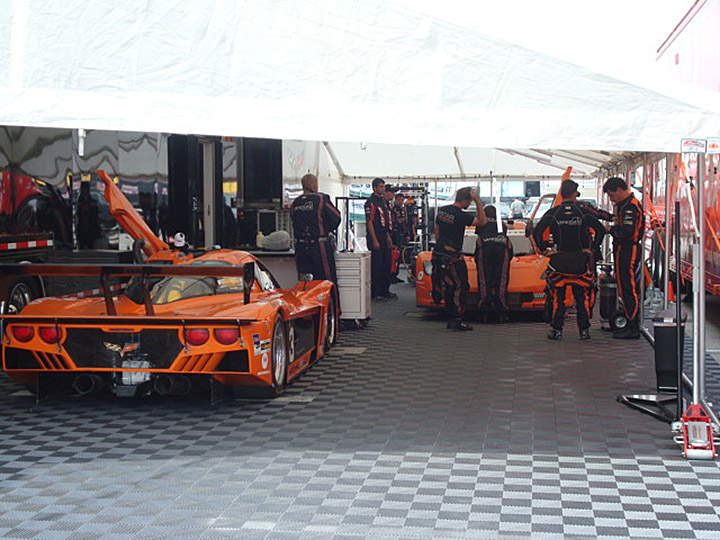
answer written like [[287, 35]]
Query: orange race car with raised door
[[220, 318], [526, 285]]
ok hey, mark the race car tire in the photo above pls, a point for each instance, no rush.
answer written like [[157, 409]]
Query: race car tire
[[618, 321], [331, 324], [279, 357], [19, 293]]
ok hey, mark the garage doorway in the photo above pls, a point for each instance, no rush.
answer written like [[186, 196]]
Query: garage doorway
[[195, 188]]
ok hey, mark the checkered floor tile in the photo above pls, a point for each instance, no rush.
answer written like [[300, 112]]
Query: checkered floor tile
[[406, 431]]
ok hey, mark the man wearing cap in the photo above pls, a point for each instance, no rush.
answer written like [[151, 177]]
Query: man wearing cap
[[314, 218], [449, 272], [576, 235], [627, 233]]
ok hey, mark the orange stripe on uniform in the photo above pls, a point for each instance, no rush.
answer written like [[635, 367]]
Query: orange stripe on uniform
[[633, 285]]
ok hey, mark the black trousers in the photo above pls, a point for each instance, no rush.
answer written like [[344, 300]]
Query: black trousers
[[316, 258], [627, 274], [380, 266], [492, 260], [450, 282], [583, 291]]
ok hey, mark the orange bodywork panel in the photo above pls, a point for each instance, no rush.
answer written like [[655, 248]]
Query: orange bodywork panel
[[219, 335], [526, 286], [128, 218]]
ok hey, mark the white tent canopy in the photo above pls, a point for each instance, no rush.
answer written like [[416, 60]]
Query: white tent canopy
[[327, 70], [360, 162]]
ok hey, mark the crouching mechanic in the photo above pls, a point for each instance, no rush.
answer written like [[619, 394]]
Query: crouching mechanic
[[449, 271], [577, 236], [492, 260]]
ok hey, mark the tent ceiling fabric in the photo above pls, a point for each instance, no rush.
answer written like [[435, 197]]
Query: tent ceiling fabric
[[320, 70], [362, 162]]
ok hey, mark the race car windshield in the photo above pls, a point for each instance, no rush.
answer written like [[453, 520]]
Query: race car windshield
[[174, 288]]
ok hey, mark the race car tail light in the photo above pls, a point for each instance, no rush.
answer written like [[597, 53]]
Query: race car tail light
[[23, 333], [197, 336], [50, 334], [226, 336]]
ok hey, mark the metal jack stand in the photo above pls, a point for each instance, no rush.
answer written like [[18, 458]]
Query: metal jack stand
[[659, 406]]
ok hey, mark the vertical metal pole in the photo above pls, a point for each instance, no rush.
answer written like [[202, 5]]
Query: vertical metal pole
[[346, 240], [645, 179], [678, 312], [699, 289], [669, 175]]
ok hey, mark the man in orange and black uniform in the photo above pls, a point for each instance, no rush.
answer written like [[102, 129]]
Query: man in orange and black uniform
[[492, 260], [627, 233], [449, 272], [314, 217], [377, 221], [577, 236]]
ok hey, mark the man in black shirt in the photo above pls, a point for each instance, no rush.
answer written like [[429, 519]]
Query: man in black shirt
[[314, 217], [492, 259], [377, 220], [449, 272], [627, 234], [400, 230], [577, 236]]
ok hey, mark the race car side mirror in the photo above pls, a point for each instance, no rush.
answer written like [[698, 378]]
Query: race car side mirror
[[305, 277], [248, 281]]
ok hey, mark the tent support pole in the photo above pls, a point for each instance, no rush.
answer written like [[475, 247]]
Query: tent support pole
[[645, 181], [669, 176], [458, 159], [334, 159], [698, 392]]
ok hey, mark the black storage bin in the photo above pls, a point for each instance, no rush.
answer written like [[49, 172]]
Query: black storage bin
[[608, 298], [666, 348]]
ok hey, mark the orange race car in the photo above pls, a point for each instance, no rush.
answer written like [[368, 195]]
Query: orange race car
[[219, 318], [526, 285]]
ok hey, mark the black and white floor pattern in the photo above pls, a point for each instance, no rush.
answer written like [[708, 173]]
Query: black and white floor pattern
[[406, 431]]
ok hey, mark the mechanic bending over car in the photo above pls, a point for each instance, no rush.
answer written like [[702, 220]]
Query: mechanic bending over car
[[577, 236], [627, 233], [449, 272], [314, 218], [493, 252]]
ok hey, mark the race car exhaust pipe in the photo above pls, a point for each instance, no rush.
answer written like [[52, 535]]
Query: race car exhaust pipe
[[172, 385], [86, 384]]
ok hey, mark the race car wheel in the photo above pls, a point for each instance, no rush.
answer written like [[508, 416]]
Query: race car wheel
[[20, 294], [279, 352], [618, 321], [331, 324]]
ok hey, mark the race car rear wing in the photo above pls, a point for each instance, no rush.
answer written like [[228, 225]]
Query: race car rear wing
[[143, 271]]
